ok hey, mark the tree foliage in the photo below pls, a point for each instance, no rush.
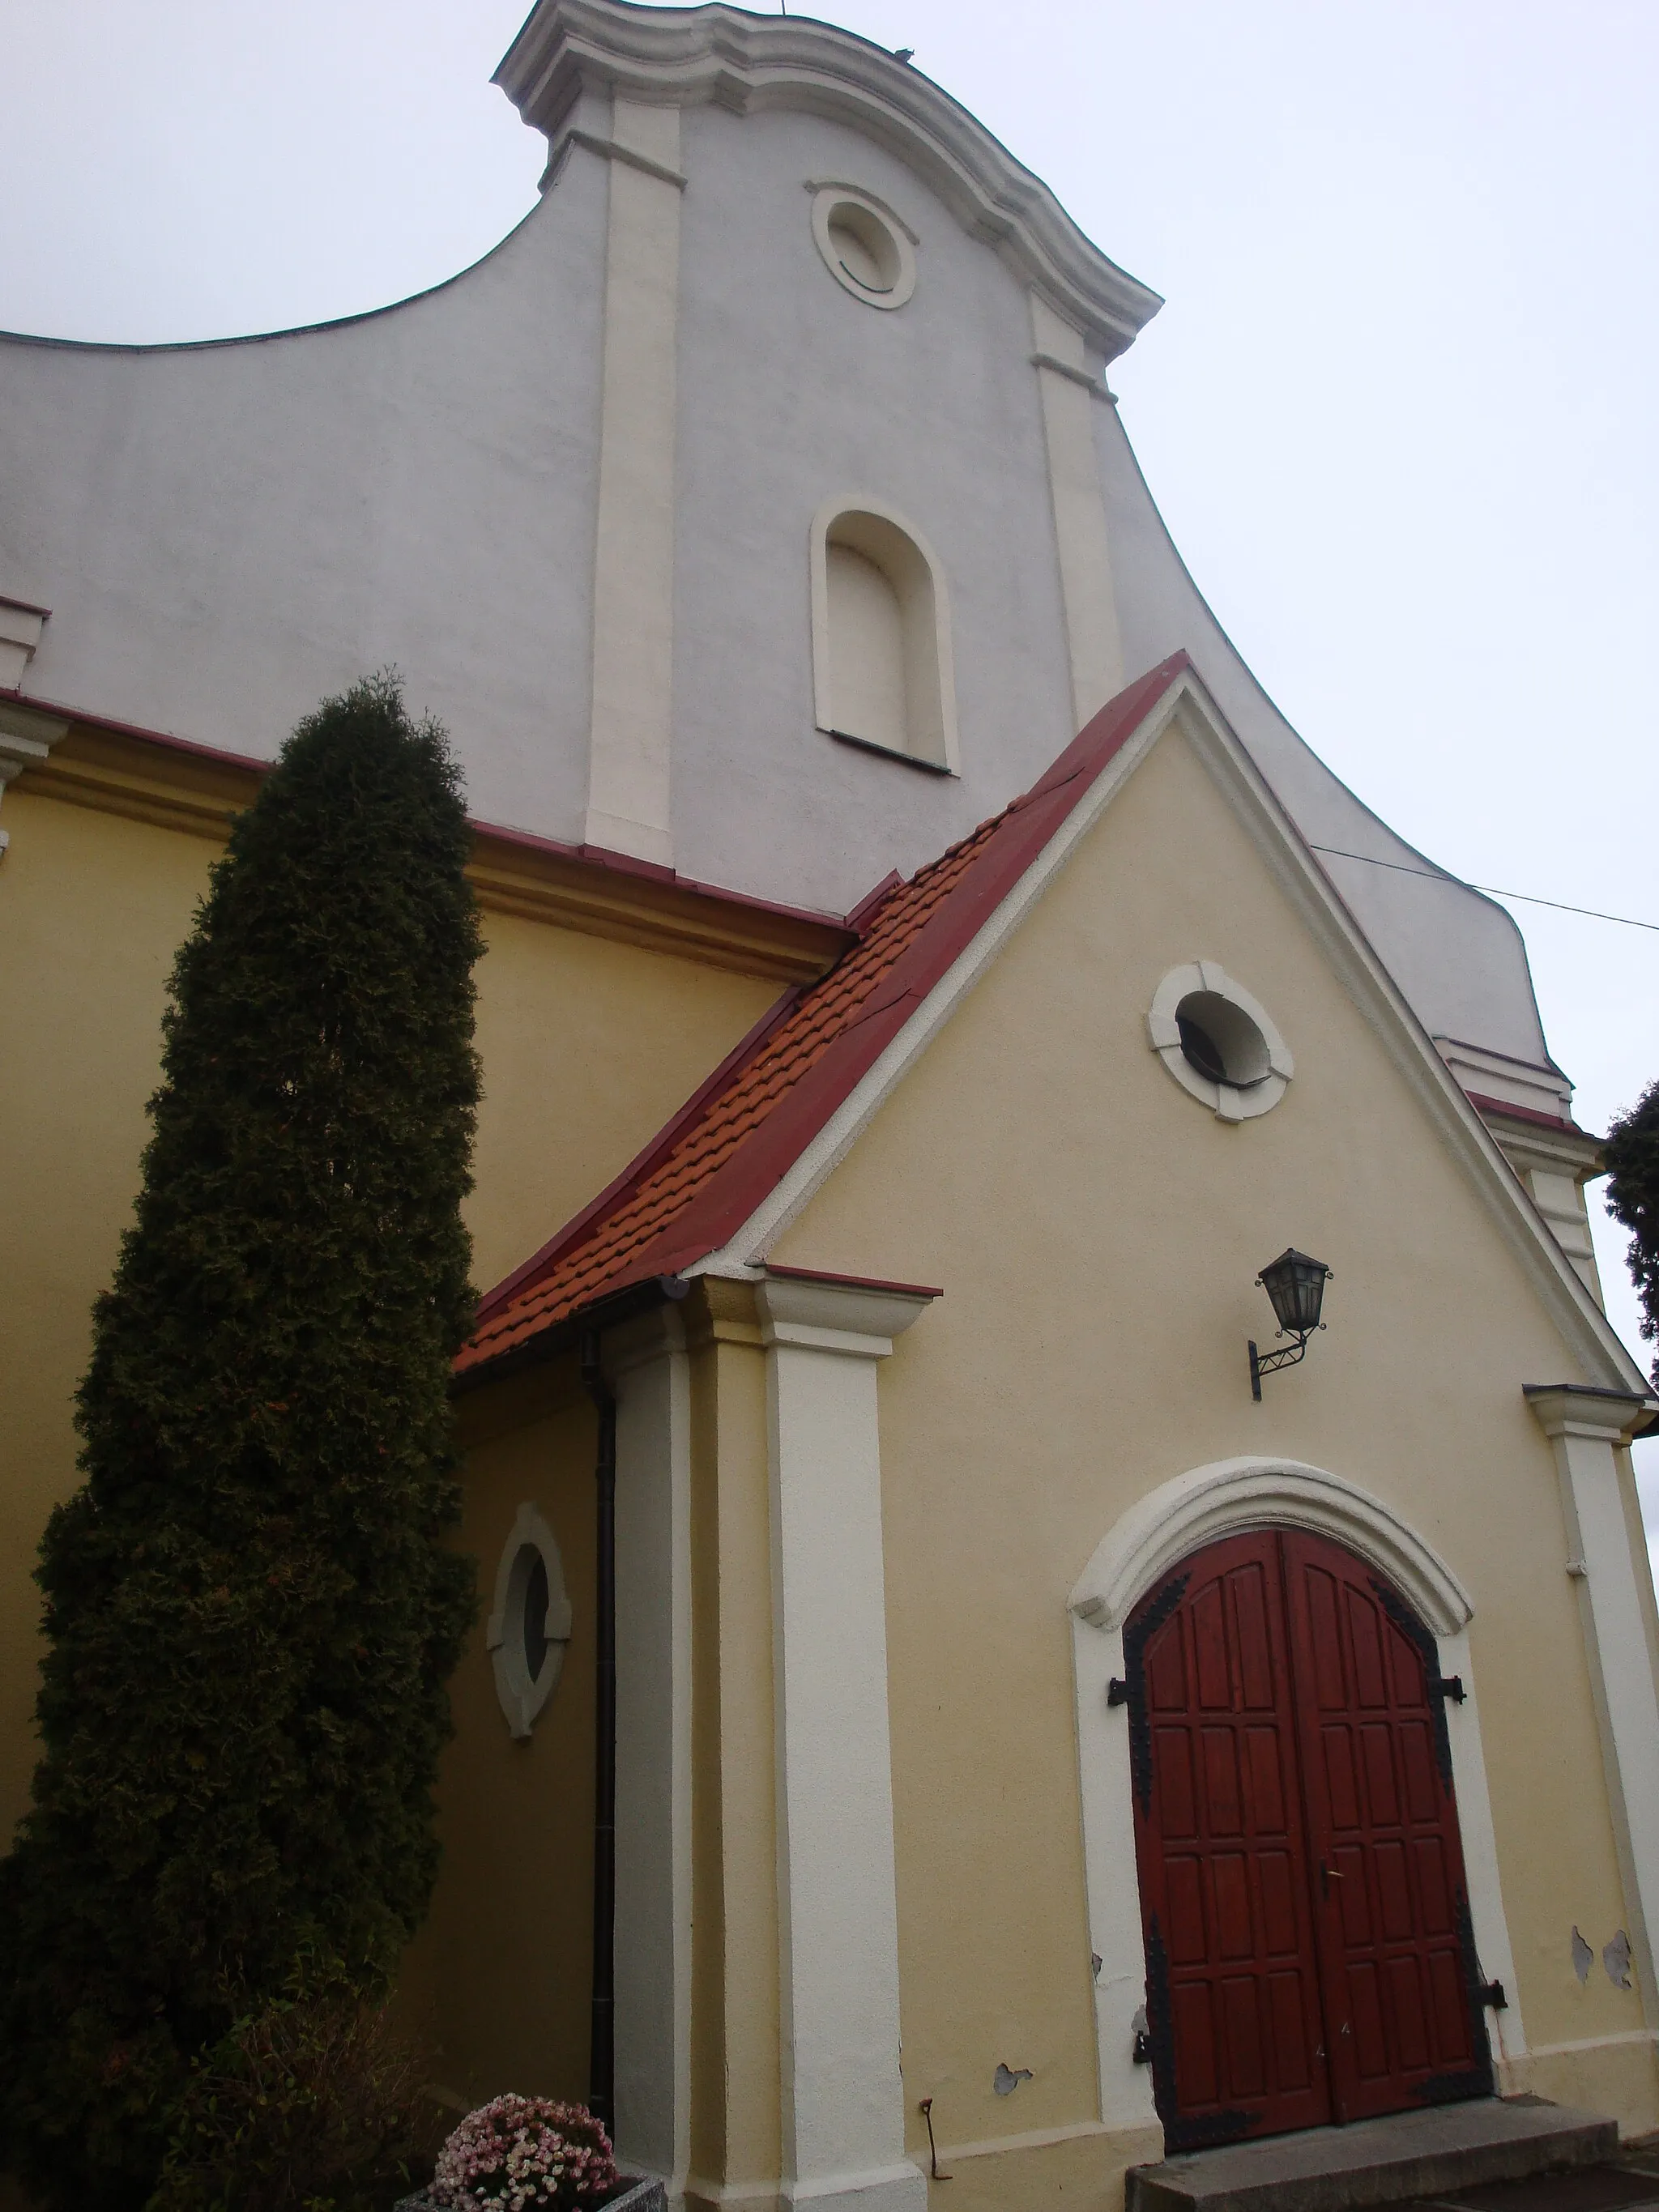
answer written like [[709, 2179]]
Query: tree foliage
[[1633, 1156], [251, 1613], [309, 2102]]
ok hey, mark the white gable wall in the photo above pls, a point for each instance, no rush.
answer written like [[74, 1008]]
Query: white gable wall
[[224, 533]]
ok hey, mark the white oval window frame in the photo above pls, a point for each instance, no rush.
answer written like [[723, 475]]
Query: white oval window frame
[[521, 1698], [827, 197], [1228, 1102]]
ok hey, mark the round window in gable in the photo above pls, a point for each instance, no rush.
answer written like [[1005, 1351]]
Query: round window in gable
[[865, 247], [530, 1626], [1219, 1042]]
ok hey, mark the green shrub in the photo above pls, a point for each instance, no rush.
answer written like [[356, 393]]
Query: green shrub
[[308, 2103], [250, 1613]]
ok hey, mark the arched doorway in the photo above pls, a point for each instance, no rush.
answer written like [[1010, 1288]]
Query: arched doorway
[[1310, 1953]]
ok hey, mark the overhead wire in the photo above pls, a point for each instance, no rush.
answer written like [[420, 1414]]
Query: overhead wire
[[1527, 898]]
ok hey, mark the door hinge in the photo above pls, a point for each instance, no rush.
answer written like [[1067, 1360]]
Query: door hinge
[[1492, 1996], [1117, 1691], [1446, 1685]]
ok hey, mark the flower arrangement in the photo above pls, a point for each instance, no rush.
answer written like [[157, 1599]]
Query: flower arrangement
[[518, 2152]]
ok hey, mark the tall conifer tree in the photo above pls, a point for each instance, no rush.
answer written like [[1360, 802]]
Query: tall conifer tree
[[251, 1613], [1633, 1158]]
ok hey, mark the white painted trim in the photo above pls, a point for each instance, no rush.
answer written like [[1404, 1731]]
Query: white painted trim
[[647, 1367], [1228, 1102], [26, 741], [842, 2093], [939, 738], [749, 63], [857, 192], [762, 2194], [20, 625], [1085, 377], [522, 1700], [1505, 2031], [899, 236], [1111, 1886], [1166, 1526], [1588, 1430], [1077, 499], [1511, 1082], [1231, 1495], [1584, 1328], [629, 765], [612, 149]]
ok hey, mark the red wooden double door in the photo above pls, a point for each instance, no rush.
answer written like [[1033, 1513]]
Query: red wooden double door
[[1309, 1950]]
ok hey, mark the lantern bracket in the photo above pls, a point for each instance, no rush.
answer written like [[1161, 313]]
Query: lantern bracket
[[1295, 1285], [1269, 1363]]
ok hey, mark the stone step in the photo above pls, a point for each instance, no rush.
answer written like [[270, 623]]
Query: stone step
[[1385, 2161]]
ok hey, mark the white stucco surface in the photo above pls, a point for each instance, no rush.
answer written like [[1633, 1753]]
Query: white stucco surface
[[224, 533]]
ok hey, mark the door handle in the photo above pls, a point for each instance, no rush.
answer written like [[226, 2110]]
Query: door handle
[[1327, 1874]]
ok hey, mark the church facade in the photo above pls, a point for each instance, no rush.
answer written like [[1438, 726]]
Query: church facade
[[1057, 1719]]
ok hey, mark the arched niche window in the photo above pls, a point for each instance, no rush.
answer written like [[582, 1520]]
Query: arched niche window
[[881, 635]]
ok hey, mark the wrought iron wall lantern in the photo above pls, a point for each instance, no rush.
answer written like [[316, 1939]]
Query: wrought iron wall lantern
[[1296, 1285]]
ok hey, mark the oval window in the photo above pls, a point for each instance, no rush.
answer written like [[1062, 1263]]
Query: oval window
[[530, 1626], [865, 250], [865, 246], [1220, 1039], [1219, 1042], [535, 1617]]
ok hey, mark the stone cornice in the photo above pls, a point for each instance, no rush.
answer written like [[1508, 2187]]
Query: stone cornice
[[815, 1312], [26, 739], [148, 776], [1532, 1148], [1579, 1409], [690, 57]]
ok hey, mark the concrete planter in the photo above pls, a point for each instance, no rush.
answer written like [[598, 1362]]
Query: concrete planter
[[634, 2196]]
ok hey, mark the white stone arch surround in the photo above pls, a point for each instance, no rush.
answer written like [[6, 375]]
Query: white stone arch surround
[[1178, 1517], [1231, 1495]]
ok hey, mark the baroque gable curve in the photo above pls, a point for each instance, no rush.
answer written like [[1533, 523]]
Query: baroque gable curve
[[752, 62]]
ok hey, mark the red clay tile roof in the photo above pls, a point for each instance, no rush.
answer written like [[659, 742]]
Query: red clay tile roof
[[703, 1175], [1483, 1105]]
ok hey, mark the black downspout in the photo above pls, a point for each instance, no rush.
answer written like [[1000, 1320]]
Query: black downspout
[[602, 2046]]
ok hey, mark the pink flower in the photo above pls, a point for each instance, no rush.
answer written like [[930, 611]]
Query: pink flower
[[519, 2152]]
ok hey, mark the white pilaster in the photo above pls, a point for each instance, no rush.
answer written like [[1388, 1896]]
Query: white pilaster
[[646, 1366], [843, 2113], [1069, 393], [26, 741], [20, 625], [628, 789], [1590, 1429]]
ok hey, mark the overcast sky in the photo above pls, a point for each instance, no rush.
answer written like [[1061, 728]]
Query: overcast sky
[[1398, 411]]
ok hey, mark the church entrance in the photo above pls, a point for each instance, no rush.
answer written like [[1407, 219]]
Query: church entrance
[[1310, 1956]]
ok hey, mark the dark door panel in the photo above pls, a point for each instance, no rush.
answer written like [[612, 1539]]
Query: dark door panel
[[1308, 1952], [1391, 1910], [1233, 1994]]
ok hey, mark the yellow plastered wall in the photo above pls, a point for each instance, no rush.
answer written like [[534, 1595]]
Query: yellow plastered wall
[[587, 1047], [497, 1980], [1096, 1232]]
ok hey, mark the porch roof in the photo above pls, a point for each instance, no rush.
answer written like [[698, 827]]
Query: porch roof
[[702, 1175]]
